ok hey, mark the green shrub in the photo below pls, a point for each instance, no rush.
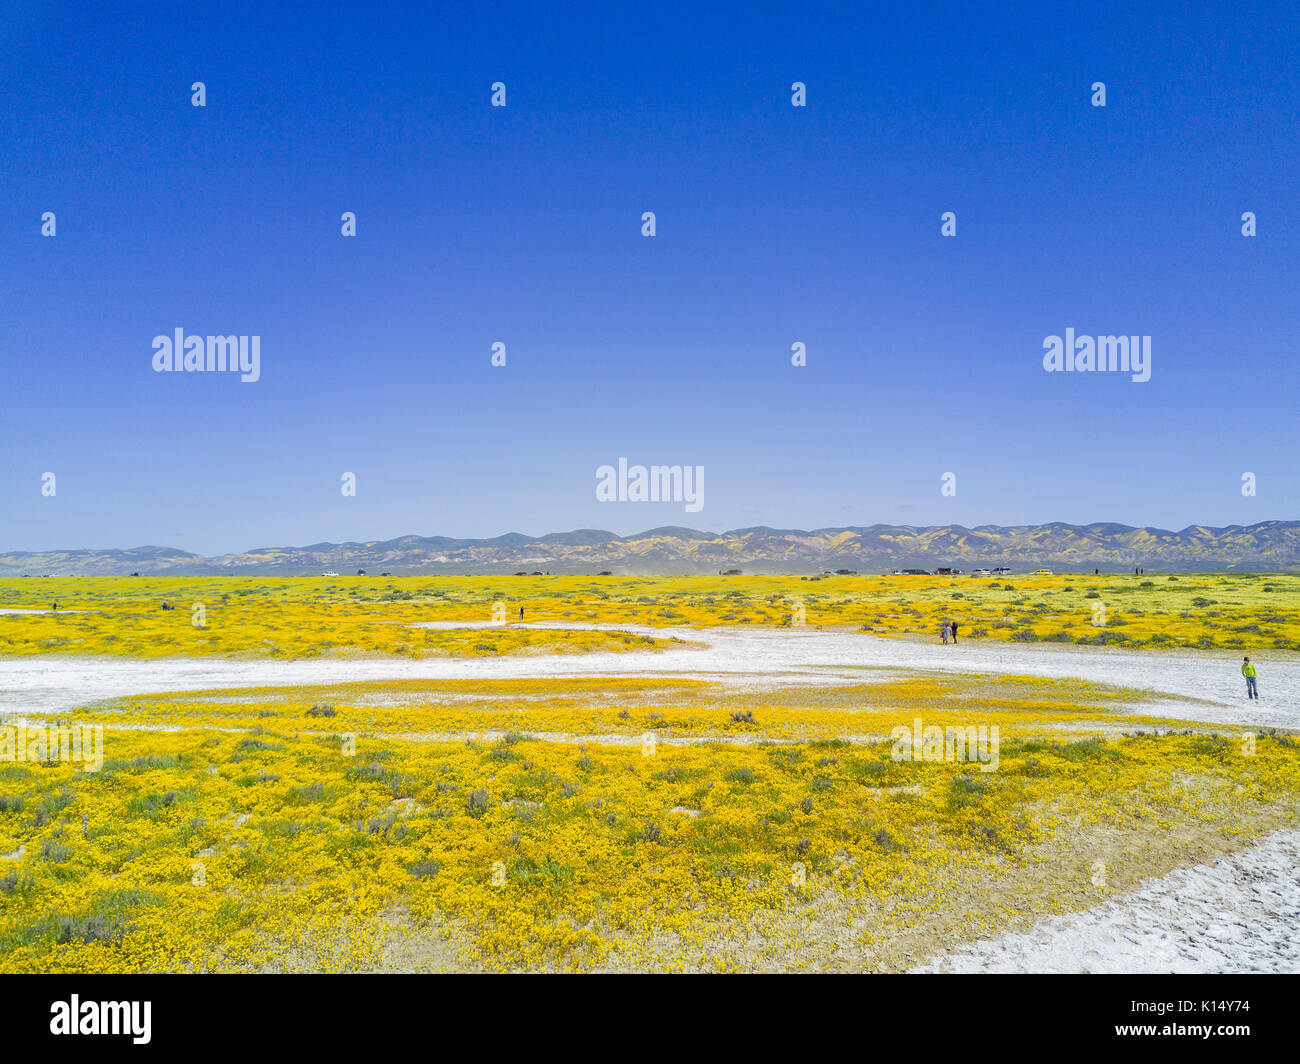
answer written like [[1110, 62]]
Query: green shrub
[[477, 804], [965, 791]]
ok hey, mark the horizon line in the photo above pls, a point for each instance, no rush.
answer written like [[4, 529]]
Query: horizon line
[[524, 537]]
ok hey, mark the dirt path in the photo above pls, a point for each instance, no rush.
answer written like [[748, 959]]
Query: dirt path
[[1209, 682], [1239, 914]]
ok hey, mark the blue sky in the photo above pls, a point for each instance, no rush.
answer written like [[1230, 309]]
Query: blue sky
[[522, 224]]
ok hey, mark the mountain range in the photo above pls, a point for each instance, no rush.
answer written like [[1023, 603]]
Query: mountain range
[[1270, 546]]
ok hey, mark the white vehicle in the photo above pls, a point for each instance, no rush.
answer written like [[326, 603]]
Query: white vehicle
[[980, 572], [331, 573], [1001, 570]]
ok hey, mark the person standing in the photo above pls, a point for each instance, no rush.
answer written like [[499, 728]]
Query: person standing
[[1248, 671], [943, 633], [952, 628]]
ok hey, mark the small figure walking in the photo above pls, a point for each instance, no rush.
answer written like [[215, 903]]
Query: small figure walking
[[943, 633], [953, 628], [521, 613], [1248, 671]]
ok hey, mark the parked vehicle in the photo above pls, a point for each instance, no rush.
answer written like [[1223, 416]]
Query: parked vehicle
[[980, 572], [1042, 572]]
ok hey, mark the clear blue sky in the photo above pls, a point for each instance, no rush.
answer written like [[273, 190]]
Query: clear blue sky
[[522, 224]]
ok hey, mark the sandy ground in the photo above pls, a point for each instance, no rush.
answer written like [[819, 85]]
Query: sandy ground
[[1209, 682], [1239, 914]]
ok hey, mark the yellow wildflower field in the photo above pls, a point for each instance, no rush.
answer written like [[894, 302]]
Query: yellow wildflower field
[[309, 616], [350, 828], [625, 708], [606, 822]]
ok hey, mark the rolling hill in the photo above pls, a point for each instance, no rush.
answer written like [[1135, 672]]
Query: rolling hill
[[1270, 546]]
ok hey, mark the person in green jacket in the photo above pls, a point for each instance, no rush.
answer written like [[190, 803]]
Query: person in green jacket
[[1248, 671]]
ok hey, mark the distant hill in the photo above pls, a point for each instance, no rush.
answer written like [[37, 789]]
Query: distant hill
[[1269, 546]]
